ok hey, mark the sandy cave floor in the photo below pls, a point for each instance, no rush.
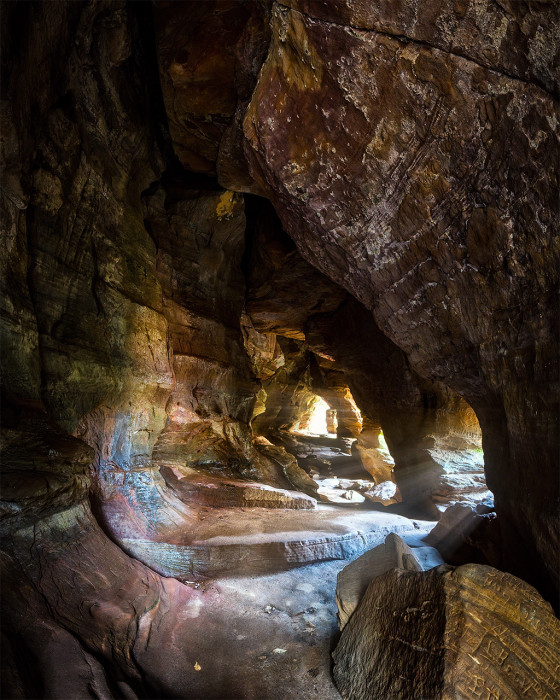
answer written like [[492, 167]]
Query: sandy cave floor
[[264, 637]]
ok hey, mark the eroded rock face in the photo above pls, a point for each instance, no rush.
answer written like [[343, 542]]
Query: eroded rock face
[[402, 170], [449, 633], [85, 296], [288, 396], [201, 237], [123, 286], [333, 389], [284, 290]]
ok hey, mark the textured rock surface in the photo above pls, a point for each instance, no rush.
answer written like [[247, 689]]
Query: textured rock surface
[[200, 238], [193, 487], [287, 396], [401, 168], [353, 580], [209, 55], [237, 542], [449, 633], [376, 461], [465, 535]]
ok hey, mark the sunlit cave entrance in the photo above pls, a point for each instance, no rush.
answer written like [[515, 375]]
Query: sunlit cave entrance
[[322, 420], [270, 272]]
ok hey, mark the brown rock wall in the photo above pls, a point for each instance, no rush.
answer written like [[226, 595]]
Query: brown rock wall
[[97, 346], [509, 37], [426, 184], [209, 56], [288, 296]]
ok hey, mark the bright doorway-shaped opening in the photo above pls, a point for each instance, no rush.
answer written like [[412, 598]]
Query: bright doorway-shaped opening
[[318, 423]]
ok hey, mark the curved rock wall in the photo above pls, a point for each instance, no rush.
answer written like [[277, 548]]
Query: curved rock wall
[[411, 156], [85, 345]]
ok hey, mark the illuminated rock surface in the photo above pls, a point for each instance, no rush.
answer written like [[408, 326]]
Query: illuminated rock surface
[[398, 153]]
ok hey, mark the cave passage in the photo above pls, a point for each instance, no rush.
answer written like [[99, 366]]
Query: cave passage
[[279, 333]]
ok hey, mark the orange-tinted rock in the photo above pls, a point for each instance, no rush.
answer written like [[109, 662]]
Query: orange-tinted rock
[[374, 459], [351, 354], [287, 396], [334, 390], [295, 475], [200, 489], [265, 354], [200, 236]]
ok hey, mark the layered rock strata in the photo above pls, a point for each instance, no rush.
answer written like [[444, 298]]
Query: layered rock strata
[[412, 159], [449, 633], [353, 359]]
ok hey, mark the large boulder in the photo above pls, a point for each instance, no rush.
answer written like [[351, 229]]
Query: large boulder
[[464, 535], [469, 632], [394, 553]]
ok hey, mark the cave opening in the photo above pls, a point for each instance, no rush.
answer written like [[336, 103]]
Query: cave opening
[[322, 420], [279, 332]]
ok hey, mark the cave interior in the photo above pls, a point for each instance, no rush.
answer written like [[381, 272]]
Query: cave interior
[[279, 316]]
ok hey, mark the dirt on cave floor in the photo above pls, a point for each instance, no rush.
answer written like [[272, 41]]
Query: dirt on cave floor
[[271, 636], [264, 637]]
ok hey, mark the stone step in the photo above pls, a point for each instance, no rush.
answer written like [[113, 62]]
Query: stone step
[[233, 542], [201, 489]]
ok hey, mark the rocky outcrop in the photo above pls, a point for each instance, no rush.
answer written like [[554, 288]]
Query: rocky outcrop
[[295, 475], [446, 633], [199, 489], [398, 153], [284, 290], [353, 581]]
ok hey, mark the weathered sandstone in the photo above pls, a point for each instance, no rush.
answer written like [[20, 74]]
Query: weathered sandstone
[[449, 633]]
